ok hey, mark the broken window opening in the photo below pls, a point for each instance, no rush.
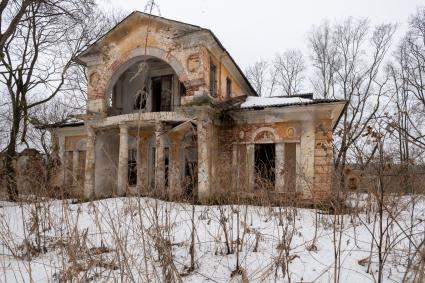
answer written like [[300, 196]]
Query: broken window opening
[[265, 166], [132, 167], [162, 93], [150, 85], [228, 87], [140, 101], [152, 167], [167, 166], [190, 162], [182, 89], [290, 166], [213, 80]]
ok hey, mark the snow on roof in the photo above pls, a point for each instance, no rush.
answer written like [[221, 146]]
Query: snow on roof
[[254, 101]]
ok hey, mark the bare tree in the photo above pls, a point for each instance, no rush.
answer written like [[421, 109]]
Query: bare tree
[[36, 59], [348, 57], [289, 67], [323, 57], [408, 81], [19, 9], [257, 75]]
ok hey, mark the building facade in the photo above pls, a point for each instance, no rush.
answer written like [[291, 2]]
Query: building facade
[[169, 112]]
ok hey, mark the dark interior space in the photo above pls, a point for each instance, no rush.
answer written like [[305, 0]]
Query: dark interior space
[[156, 94], [265, 166], [161, 93], [132, 167], [190, 166]]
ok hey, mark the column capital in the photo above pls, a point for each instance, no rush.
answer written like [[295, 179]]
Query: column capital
[[123, 126], [159, 126], [90, 131]]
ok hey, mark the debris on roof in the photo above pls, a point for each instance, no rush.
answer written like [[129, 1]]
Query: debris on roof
[[68, 122]]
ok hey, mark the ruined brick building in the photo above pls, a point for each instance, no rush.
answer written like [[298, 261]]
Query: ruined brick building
[[169, 111]]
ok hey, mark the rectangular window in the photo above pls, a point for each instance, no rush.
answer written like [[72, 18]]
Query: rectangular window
[[265, 166], [162, 90], [213, 80], [132, 167], [228, 87]]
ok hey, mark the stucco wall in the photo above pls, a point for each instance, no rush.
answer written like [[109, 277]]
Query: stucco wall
[[314, 140], [188, 55]]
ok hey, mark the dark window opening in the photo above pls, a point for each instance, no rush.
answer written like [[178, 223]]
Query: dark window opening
[[167, 166], [228, 88], [162, 93], [156, 95], [152, 168], [140, 101], [132, 167], [290, 166], [213, 80], [182, 89], [265, 166], [190, 166]]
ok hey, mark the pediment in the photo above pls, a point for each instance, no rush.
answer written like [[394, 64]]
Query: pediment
[[139, 20]]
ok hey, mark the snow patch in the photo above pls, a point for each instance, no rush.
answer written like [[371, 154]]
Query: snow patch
[[254, 101]]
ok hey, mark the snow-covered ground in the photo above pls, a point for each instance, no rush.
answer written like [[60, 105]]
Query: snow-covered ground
[[141, 239]]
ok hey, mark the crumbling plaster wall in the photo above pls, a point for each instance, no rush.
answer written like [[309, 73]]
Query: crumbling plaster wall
[[323, 159], [223, 74], [184, 51], [71, 140], [314, 139], [106, 156], [234, 146]]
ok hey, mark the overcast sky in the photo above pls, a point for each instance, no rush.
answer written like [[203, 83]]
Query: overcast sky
[[251, 30]]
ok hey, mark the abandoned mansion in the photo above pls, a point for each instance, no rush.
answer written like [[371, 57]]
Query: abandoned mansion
[[170, 112]]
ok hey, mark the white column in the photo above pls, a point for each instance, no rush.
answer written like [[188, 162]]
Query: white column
[[123, 161], [159, 157], [204, 128], [280, 167], [90, 164]]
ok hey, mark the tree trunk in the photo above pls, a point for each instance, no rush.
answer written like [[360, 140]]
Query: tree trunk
[[11, 180]]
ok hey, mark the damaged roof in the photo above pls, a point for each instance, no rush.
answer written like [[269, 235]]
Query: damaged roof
[[68, 122], [255, 103]]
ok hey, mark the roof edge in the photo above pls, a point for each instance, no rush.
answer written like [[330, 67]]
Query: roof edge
[[135, 12]]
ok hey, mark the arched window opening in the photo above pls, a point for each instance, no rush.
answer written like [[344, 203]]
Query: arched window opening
[[148, 85]]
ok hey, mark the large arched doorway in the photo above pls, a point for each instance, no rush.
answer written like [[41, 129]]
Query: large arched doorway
[[147, 84]]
